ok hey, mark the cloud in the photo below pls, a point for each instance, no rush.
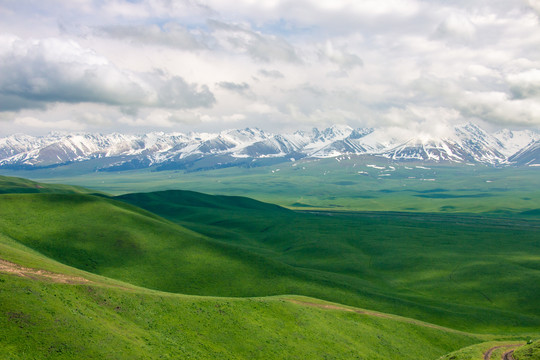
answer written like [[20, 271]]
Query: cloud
[[433, 120], [164, 119], [234, 86], [41, 72], [217, 36], [93, 118], [457, 27], [274, 74], [535, 4], [345, 61], [243, 89], [525, 84], [372, 62], [32, 122], [170, 34], [175, 92], [260, 47], [233, 118], [319, 17], [498, 108], [240, 88]]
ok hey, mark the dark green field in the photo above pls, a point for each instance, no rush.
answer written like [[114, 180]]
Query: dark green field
[[473, 273]]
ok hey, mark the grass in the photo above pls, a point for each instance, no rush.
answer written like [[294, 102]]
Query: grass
[[10, 185], [107, 319], [477, 351], [141, 251], [439, 269], [428, 266], [41, 318], [117, 240], [528, 352], [359, 183]]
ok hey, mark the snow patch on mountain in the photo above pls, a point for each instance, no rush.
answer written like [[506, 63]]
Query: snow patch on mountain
[[514, 141], [466, 143]]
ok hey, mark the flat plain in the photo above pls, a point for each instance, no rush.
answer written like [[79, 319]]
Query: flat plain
[[342, 183]]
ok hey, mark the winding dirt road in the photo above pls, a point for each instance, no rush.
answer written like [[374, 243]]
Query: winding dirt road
[[506, 356]]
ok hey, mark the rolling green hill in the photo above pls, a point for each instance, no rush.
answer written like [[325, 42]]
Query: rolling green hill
[[10, 185], [111, 270], [436, 268], [528, 352], [117, 240], [44, 319], [464, 271]]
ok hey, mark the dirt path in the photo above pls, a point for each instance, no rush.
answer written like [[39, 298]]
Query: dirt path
[[506, 356], [18, 270]]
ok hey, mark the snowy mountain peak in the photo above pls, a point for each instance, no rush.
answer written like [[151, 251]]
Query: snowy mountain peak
[[528, 156], [463, 143], [337, 132], [514, 141]]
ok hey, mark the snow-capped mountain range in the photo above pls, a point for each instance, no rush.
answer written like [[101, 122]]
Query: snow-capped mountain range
[[251, 147]]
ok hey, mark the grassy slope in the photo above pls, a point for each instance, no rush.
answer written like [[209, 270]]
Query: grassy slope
[[10, 185], [528, 352], [40, 319], [461, 271], [477, 351], [117, 320], [117, 240], [254, 249], [111, 320]]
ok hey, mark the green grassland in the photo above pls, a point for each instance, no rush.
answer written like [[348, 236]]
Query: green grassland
[[237, 262], [467, 272], [477, 351], [43, 320], [10, 185], [107, 319], [470, 273], [528, 352], [347, 183]]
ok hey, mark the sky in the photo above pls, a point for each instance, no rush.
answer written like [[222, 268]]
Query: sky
[[208, 65]]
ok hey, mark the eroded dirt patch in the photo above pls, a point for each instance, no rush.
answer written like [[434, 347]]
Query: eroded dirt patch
[[37, 274]]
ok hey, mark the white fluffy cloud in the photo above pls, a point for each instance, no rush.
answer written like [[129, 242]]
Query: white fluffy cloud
[[118, 64]]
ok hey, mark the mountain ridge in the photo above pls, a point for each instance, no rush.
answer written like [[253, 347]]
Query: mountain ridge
[[466, 143]]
